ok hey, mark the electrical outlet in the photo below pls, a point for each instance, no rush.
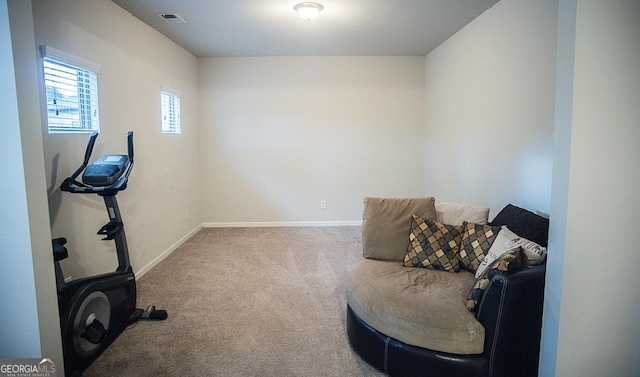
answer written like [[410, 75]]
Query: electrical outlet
[[186, 214], [323, 204]]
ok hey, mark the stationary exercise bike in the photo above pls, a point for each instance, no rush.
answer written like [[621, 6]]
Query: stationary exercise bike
[[96, 309]]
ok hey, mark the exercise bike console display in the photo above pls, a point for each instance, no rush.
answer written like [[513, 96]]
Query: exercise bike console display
[[105, 170], [94, 310]]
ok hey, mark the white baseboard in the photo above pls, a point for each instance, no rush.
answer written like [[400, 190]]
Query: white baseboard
[[166, 253], [279, 224]]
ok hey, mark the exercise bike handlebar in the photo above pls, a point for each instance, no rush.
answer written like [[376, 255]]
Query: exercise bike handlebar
[[72, 185], [130, 146]]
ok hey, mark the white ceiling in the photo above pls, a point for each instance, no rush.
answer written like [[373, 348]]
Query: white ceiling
[[344, 27]]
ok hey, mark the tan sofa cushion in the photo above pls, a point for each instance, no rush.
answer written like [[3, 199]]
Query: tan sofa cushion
[[456, 214], [417, 306], [386, 224]]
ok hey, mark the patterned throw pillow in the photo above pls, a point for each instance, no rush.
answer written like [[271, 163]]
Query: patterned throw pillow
[[476, 241], [433, 245], [507, 263]]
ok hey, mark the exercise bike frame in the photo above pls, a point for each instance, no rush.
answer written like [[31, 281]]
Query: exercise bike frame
[[109, 195], [109, 297]]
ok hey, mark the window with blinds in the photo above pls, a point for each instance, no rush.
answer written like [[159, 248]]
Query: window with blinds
[[71, 91], [170, 113]]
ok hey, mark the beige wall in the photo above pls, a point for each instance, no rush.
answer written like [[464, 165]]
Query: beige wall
[[592, 299], [265, 139], [26, 82], [490, 92], [135, 62], [271, 137], [280, 134], [27, 306]]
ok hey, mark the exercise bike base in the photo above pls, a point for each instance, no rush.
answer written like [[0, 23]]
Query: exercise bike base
[[110, 298]]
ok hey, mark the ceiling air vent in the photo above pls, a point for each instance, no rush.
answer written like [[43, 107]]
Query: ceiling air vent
[[172, 18]]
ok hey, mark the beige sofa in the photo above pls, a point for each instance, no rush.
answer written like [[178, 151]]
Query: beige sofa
[[412, 320]]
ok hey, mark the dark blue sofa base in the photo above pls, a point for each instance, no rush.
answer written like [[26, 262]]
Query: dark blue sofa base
[[398, 359]]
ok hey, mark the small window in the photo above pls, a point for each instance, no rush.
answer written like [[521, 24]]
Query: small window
[[170, 113], [71, 86]]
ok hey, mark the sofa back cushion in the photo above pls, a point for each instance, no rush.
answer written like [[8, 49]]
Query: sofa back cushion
[[456, 214], [524, 223], [386, 224]]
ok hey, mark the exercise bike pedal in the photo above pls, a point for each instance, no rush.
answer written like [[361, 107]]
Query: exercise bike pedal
[[149, 313], [111, 229], [158, 315], [95, 333]]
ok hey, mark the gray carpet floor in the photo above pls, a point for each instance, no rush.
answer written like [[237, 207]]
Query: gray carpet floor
[[245, 302]]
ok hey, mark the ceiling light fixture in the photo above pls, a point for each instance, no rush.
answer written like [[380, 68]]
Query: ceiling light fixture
[[308, 11]]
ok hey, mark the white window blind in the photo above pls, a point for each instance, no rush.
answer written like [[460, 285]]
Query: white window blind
[[170, 113], [71, 86]]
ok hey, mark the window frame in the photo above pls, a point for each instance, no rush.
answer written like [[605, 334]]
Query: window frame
[[170, 103], [86, 99]]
